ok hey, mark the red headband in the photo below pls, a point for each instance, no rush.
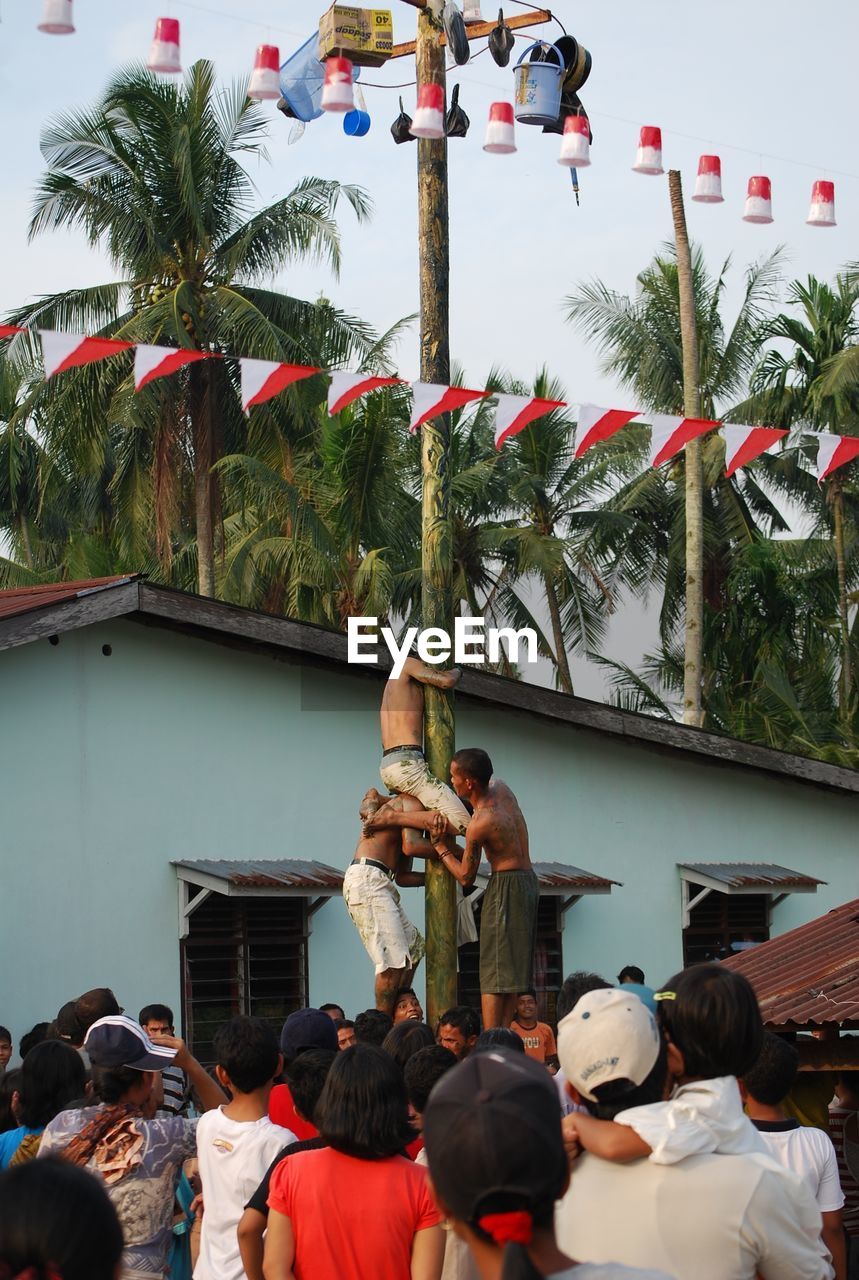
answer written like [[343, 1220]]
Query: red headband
[[514, 1227]]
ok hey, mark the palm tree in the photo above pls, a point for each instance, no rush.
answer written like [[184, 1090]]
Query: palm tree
[[812, 384], [154, 174]]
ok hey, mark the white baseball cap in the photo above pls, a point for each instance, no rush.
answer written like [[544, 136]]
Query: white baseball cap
[[608, 1035]]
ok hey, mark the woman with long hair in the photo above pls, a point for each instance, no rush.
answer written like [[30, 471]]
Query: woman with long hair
[[357, 1207], [52, 1077], [492, 1129]]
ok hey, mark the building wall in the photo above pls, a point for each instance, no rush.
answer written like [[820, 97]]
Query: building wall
[[173, 747]]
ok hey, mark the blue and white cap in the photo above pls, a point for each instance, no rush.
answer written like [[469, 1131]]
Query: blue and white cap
[[117, 1041]]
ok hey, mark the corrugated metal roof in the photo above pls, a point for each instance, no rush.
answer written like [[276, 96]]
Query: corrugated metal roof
[[751, 875], [17, 600], [559, 875], [810, 974], [277, 873]]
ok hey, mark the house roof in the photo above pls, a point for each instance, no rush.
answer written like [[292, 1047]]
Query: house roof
[[748, 877], [809, 975], [81, 604]]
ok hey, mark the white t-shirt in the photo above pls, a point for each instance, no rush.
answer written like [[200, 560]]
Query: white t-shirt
[[704, 1116], [234, 1156], [808, 1152], [711, 1217], [607, 1271]]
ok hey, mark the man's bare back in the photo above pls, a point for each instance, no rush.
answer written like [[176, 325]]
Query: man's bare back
[[402, 712], [497, 828], [392, 846]]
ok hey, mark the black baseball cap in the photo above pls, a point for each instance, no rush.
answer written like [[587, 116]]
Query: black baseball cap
[[492, 1131], [117, 1041], [307, 1029]]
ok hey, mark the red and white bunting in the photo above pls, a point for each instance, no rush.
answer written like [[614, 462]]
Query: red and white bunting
[[346, 387], [263, 379], [744, 444], [429, 399], [7, 330], [668, 435], [157, 362], [833, 452], [596, 424], [61, 351], [513, 413]]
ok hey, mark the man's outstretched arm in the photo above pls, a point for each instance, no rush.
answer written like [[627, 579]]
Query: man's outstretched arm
[[414, 669], [418, 819], [462, 864]]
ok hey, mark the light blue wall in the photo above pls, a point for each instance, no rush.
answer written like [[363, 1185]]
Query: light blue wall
[[173, 747]]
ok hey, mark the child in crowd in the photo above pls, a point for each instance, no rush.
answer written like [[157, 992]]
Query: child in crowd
[[236, 1142], [5, 1048], [498, 1166], [306, 1076], [52, 1078], [538, 1037], [804, 1150], [712, 1025]]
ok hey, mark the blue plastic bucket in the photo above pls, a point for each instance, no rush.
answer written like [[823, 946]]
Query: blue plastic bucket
[[537, 92]]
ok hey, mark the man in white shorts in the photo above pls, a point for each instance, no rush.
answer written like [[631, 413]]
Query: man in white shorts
[[382, 861]]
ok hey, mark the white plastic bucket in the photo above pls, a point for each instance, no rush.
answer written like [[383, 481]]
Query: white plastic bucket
[[537, 87]]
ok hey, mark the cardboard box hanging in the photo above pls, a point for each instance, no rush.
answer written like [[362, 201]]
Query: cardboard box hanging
[[364, 36]]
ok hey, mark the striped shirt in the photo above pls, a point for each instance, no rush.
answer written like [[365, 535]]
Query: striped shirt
[[838, 1124]]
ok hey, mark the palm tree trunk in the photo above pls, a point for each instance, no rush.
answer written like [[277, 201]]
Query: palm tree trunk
[[845, 682], [24, 530], [202, 439], [561, 661], [694, 630]]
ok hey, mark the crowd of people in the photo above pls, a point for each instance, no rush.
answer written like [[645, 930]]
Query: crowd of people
[[652, 1135]]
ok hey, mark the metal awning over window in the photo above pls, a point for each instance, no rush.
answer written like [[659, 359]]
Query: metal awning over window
[[560, 880], [253, 878], [702, 878]]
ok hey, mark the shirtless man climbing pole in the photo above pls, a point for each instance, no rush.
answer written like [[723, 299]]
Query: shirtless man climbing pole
[[404, 768], [508, 914], [382, 861]]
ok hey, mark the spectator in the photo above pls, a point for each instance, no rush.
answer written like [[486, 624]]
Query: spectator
[[334, 1011], [137, 1154], [844, 1131], [458, 1030], [631, 973], [157, 1020], [498, 1038], [372, 1026], [498, 1166], [52, 1077], [537, 1037], [5, 1048], [306, 1078], [345, 1033], [572, 990], [31, 1038], [806, 1151], [237, 1142], [407, 1007], [355, 1208], [10, 1084], [303, 1030], [98, 1003], [714, 1217], [68, 1027], [57, 1221], [713, 1026], [407, 1039]]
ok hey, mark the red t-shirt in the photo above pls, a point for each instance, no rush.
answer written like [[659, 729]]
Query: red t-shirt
[[352, 1218], [539, 1041], [281, 1110]]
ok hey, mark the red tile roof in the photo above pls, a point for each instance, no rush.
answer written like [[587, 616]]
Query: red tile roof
[[18, 600], [809, 975]]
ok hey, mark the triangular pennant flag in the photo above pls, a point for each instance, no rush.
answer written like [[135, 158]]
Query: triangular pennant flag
[[61, 351], [596, 424], [263, 379], [156, 362], [515, 412], [7, 330], [744, 444], [668, 434], [429, 399], [346, 387], [833, 452]]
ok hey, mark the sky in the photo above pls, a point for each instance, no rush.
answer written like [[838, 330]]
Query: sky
[[770, 86]]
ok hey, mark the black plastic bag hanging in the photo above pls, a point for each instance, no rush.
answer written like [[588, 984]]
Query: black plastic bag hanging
[[454, 29], [401, 128], [501, 41], [456, 122]]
